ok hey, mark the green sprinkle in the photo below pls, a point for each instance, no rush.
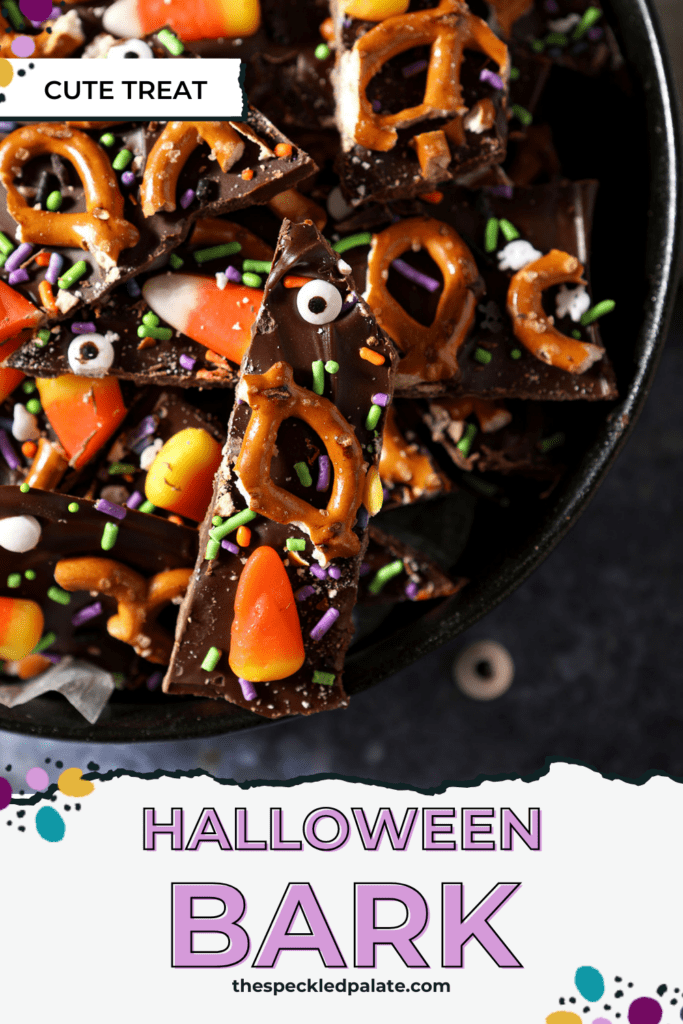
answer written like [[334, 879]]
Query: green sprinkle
[[6, 247], [217, 520], [14, 580], [231, 524], [516, 353], [147, 506], [556, 39], [150, 320], [482, 485], [158, 333], [491, 234], [554, 441], [590, 16], [482, 356], [372, 418], [107, 139], [121, 468], [28, 387], [59, 596], [30, 574], [109, 535], [73, 274], [318, 370], [577, 334], [34, 406], [514, 74], [42, 337], [331, 366], [3, 259], [537, 45], [509, 230], [171, 42], [351, 241], [600, 309], [296, 544], [322, 51], [122, 159], [119, 680], [213, 548], [44, 642], [54, 201], [259, 266], [175, 261], [251, 280], [304, 474], [213, 656], [24, 488], [73, 506], [324, 678], [216, 252], [522, 115], [15, 15], [465, 442], [383, 575]]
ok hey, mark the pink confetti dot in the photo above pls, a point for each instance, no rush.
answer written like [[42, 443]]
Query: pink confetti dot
[[35, 10], [37, 778], [5, 793], [23, 46]]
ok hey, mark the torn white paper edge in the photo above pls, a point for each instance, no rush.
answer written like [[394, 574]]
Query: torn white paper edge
[[87, 687]]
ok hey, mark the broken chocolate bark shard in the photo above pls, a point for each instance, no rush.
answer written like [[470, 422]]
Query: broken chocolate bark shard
[[395, 571], [407, 468], [306, 374]]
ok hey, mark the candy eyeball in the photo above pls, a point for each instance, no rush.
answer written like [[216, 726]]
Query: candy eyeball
[[91, 355], [131, 48], [319, 302], [19, 533]]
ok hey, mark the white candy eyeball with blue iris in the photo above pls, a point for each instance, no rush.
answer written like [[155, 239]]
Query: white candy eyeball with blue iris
[[91, 355], [319, 302], [131, 48]]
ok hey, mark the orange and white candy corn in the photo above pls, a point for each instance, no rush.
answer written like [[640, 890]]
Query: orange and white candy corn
[[181, 477], [83, 411], [201, 19], [21, 627]]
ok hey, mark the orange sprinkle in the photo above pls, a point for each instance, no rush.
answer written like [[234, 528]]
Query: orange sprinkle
[[175, 519], [432, 197], [327, 30], [247, 174], [283, 149], [29, 449], [372, 357], [243, 536], [42, 259], [46, 297], [292, 281]]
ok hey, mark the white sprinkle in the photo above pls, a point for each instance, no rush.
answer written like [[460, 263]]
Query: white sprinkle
[[564, 25], [25, 424], [572, 301], [150, 453], [221, 280], [517, 254]]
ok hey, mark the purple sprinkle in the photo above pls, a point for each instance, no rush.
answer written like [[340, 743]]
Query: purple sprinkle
[[110, 509], [18, 276], [233, 274], [349, 304], [187, 198], [411, 590], [414, 275], [7, 126], [551, 6], [335, 572], [305, 593], [347, 22], [133, 288], [362, 517], [486, 75], [325, 624], [364, 569], [56, 12], [154, 680], [53, 658], [18, 256], [229, 546], [54, 268], [376, 106], [324, 467], [505, 191], [318, 572], [127, 178], [83, 327], [7, 451], [134, 500], [385, 493], [248, 691], [414, 69], [594, 33], [380, 399], [143, 430], [91, 611], [187, 362]]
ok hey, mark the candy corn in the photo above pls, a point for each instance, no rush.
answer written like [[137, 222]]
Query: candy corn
[[375, 10], [181, 477], [84, 412], [266, 641], [202, 19], [219, 318], [21, 627], [9, 380], [16, 313]]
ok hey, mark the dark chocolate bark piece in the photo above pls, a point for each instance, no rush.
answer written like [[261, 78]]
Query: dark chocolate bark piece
[[395, 571], [306, 344]]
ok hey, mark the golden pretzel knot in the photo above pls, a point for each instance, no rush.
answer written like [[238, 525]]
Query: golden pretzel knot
[[431, 353], [450, 29], [273, 397], [533, 327], [139, 600], [102, 228]]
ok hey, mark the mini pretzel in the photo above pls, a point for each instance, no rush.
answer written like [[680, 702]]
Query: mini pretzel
[[533, 327], [492, 416], [274, 397], [450, 29], [139, 600], [402, 462], [508, 11], [431, 352], [171, 152], [102, 229]]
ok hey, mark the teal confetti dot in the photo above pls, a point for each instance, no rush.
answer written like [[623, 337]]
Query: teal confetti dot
[[50, 825]]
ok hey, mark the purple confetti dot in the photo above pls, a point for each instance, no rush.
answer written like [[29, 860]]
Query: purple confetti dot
[[5, 793], [38, 779], [37, 10], [23, 46]]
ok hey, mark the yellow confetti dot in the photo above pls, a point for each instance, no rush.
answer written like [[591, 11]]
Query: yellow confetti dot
[[6, 72], [563, 1017], [72, 783]]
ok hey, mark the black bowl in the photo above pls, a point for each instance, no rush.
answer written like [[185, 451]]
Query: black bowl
[[626, 133]]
